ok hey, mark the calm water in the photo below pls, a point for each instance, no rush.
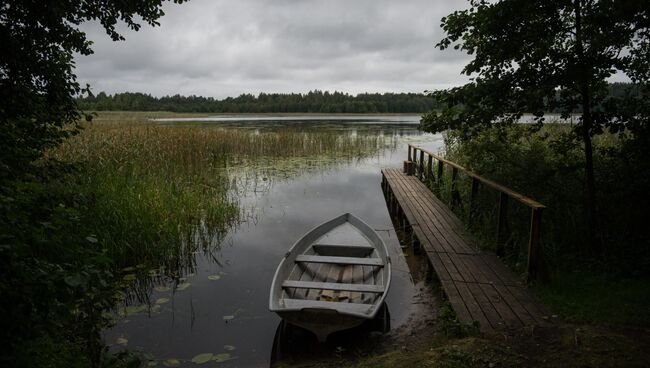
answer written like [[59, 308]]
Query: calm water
[[224, 310], [302, 119]]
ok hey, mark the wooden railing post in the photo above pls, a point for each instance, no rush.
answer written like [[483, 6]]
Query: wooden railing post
[[472, 200], [455, 197], [536, 266], [421, 166], [440, 172], [430, 169], [409, 153], [502, 224], [415, 161]]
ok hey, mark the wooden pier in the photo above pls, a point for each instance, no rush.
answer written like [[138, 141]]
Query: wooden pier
[[479, 287]]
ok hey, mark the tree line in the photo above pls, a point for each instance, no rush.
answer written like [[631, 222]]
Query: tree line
[[312, 102]]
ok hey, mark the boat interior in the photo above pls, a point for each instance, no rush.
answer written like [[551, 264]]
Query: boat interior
[[341, 266]]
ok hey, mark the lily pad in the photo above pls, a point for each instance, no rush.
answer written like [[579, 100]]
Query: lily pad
[[133, 309], [231, 316], [172, 363], [121, 341], [229, 347], [128, 269], [129, 277], [219, 358], [162, 300], [161, 288], [152, 363], [155, 309], [214, 277], [202, 358], [91, 239], [183, 286]]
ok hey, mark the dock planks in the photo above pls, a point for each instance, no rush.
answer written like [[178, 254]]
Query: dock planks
[[478, 285]]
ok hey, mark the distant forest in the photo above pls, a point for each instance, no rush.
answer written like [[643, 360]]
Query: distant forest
[[311, 102]]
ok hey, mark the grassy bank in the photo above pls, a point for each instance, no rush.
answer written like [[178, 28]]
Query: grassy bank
[[565, 347]]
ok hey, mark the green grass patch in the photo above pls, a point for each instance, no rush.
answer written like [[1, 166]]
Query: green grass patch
[[588, 298]]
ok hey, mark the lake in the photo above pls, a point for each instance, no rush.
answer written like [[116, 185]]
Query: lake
[[221, 307]]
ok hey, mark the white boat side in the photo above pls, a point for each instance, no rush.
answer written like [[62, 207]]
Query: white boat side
[[282, 274]]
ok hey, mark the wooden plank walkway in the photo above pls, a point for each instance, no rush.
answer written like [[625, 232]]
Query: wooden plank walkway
[[478, 285]]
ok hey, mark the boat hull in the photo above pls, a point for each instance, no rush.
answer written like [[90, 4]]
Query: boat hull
[[334, 278], [321, 322]]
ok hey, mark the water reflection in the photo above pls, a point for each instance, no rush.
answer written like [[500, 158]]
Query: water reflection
[[295, 344], [314, 119], [217, 303]]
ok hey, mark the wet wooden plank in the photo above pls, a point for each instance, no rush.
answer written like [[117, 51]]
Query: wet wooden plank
[[473, 306], [491, 314], [456, 301], [504, 311], [321, 275], [346, 278], [357, 278]]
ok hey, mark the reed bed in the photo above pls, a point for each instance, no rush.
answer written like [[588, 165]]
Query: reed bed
[[163, 191]]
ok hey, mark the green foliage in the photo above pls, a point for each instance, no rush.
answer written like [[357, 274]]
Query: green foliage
[[587, 297], [312, 102], [556, 55], [37, 81], [54, 279], [159, 193], [452, 327], [55, 283], [548, 165], [538, 56]]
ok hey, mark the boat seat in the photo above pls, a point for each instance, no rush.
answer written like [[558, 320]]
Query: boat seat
[[361, 288], [340, 260], [343, 250], [356, 308]]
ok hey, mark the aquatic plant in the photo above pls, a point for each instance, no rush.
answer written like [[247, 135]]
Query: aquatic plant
[[163, 191]]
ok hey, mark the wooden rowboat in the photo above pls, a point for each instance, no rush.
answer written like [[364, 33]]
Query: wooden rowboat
[[334, 278]]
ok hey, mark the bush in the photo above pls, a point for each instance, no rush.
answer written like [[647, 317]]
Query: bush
[[55, 283], [547, 165]]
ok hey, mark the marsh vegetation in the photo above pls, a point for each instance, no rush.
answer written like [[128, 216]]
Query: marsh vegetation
[[164, 191]]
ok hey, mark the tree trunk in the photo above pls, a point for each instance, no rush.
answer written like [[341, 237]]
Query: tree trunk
[[587, 125]]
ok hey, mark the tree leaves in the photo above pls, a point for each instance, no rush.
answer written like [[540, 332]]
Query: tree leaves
[[527, 59]]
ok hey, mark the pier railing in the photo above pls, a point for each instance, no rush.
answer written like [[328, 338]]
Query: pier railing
[[430, 168]]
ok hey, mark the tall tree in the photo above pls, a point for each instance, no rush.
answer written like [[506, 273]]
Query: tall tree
[[37, 80], [549, 55]]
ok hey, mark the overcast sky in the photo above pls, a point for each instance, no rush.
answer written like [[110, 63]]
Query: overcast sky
[[224, 48]]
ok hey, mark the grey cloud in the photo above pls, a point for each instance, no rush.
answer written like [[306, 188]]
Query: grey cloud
[[220, 48]]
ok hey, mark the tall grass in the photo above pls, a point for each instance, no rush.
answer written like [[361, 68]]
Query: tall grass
[[163, 191]]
